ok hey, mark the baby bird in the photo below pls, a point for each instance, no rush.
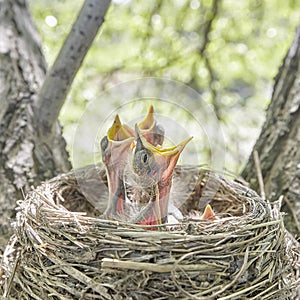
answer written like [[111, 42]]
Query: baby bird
[[152, 169], [115, 147]]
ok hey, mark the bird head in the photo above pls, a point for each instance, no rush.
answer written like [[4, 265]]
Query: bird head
[[153, 166], [116, 144], [115, 147]]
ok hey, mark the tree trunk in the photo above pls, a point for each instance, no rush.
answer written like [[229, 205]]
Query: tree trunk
[[24, 159], [278, 145], [32, 148]]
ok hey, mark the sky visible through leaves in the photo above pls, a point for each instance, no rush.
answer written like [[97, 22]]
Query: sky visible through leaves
[[228, 51]]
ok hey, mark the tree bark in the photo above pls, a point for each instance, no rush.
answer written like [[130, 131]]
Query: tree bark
[[22, 72], [59, 79], [32, 148], [278, 145]]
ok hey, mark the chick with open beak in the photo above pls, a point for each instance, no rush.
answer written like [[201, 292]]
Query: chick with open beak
[[153, 170], [115, 147]]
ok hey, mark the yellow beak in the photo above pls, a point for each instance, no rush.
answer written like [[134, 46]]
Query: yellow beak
[[165, 158], [154, 168], [150, 130], [115, 148], [119, 131], [148, 121]]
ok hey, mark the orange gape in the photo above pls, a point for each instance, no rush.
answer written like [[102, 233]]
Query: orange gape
[[150, 166], [209, 214], [153, 169], [116, 146]]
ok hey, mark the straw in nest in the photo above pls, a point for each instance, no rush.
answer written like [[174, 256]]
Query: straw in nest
[[62, 249]]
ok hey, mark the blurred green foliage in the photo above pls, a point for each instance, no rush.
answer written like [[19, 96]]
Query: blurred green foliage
[[229, 51]]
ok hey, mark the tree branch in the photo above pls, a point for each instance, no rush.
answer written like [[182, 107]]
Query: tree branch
[[59, 79], [202, 54], [279, 141], [208, 26]]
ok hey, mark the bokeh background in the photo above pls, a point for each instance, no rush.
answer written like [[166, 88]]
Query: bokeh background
[[228, 51]]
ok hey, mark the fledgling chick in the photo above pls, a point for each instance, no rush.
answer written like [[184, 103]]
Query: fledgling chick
[[115, 147], [152, 168]]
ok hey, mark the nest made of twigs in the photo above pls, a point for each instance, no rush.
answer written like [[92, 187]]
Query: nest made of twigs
[[62, 249]]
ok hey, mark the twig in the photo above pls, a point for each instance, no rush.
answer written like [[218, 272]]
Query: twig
[[237, 277], [80, 276], [133, 265], [59, 79], [259, 175], [241, 292], [237, 257], [202, 54], [14, 265]]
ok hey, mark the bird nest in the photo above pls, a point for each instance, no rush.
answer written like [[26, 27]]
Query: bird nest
[[62, 249]]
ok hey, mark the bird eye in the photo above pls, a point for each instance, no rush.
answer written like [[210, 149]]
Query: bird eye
[[104, 144], [145, 158]]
